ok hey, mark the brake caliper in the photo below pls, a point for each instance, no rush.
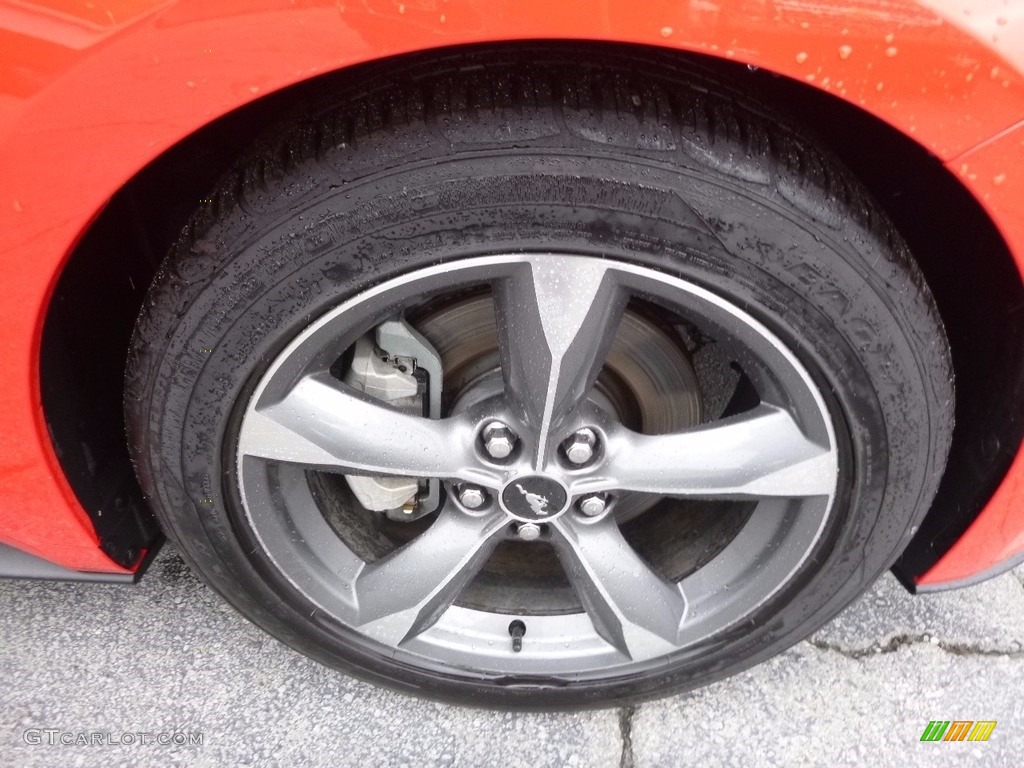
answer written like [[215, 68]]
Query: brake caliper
[[397, 365]]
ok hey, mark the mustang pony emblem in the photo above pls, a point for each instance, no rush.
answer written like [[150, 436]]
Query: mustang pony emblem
[[538, 503]]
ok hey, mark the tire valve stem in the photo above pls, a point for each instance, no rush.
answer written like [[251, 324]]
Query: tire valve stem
[[517, 629]]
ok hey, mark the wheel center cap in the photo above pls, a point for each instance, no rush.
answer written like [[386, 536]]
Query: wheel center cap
[[534, 497]]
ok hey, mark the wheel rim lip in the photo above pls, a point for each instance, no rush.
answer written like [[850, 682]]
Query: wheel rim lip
[[320, 566]]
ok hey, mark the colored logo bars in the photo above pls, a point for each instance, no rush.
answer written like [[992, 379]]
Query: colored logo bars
[[958, 730]]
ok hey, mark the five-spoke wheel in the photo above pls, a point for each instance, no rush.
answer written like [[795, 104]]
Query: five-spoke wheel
[[556, 317]]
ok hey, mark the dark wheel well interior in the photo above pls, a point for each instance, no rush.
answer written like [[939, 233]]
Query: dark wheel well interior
[[968, 266]]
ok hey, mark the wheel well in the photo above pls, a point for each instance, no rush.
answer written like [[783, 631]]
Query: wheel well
[[98, 295]]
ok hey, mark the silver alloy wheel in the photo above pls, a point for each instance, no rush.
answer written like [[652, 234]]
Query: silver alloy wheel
[[556, 315]]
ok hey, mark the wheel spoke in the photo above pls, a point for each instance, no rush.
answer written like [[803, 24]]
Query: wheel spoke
[[322, 423], [758, 454], [630, 605], [557, 317], [406, 592]]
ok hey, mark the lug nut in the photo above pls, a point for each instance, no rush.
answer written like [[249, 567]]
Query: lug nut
[[499, 440], [592, 506], [472, 497], [580, 447], [528, 531]]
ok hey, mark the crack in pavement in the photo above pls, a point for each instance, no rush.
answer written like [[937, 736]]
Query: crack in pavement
[[626, 715], [904, 641]]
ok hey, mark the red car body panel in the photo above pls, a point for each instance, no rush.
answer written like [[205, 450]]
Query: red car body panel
[[91, 93], [995, 172]]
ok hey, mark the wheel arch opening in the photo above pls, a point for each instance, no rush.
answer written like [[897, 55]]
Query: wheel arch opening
[[967, 264]]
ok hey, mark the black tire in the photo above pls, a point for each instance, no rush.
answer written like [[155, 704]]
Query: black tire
[[631, 159]]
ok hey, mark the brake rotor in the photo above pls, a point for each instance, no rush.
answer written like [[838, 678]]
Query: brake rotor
[[647, 381]]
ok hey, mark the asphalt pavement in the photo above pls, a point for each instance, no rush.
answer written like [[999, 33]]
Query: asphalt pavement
[[96, 675]]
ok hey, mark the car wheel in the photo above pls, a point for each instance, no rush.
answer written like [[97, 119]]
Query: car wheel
[[523, 382]]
